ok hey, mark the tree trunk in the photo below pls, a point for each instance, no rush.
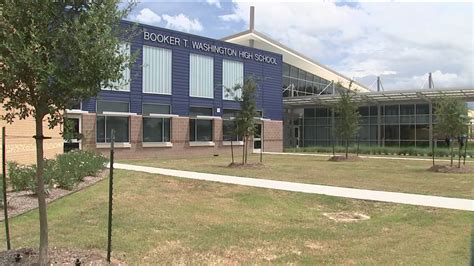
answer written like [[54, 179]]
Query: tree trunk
[[452, 153], [243, 150], [347, 148], [232, 150], [43, 248], [459, 156], [247, 150]]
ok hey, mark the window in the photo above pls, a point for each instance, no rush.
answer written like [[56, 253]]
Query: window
[[205, 111], [232, 75], [107, 122], [124, 83], [156, 129], [156, 70], [201, 76], [229, 126], [200, 129], [151, 108]]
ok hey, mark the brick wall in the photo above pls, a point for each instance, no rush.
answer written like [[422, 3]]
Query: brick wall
[[273, 136], [179, 139], [21, 146]]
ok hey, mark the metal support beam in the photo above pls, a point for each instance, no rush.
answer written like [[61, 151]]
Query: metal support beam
[[292, 141], [431, 123], [333, 125], [379, 125]]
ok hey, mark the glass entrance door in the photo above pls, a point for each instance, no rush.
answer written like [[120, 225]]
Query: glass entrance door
[[296, 136], [257, 138]]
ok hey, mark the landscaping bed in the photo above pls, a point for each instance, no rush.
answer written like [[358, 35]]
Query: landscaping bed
[[20, 202], [338, 158], [67, 173], [451, 169], [57, 256]]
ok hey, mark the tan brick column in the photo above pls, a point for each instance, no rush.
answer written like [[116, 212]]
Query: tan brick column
[[136, 131], [217, 131], [89, 131], [273, 136]]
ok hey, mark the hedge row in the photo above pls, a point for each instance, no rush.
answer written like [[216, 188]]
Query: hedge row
[[374, 150], [66, 171]]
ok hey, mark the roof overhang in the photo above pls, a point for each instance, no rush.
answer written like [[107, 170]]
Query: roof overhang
[[466, 94], [292, 57]]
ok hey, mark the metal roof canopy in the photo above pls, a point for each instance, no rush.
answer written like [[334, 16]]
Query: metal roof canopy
[[382, 97]]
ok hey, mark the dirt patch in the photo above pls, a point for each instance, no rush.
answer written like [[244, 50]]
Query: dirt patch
[[448, 169], [346, 217], [246, 166], [314, 245], [20, 202], [57, 256], [339, 158]]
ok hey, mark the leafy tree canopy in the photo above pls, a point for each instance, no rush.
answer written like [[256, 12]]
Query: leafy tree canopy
[[451, 118], [56, 53], [347, 112]]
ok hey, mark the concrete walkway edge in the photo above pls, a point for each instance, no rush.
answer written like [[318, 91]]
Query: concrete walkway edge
[[363, 194]]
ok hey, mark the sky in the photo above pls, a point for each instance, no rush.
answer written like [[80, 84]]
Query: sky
[[399, 41]]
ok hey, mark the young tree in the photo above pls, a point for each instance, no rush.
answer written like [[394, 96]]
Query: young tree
[[452, 120], [54, 54], [347, 111], [245, 118]]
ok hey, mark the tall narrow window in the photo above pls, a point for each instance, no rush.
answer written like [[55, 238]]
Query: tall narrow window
[[156, 123], [200, 124], [232, 75], [156, 70], [229, 127], [201, 76], [124, 83]]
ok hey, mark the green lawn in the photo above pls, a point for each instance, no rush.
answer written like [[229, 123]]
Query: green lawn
[[378, 174], [161, 219]]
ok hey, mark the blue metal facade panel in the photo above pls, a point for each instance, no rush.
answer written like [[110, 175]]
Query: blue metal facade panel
[[269, 97]]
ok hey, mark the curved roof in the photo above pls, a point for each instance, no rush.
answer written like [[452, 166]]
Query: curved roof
[[292, 57]]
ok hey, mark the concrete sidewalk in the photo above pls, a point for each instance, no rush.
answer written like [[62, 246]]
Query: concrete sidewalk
[[363, 156], [363, 194]]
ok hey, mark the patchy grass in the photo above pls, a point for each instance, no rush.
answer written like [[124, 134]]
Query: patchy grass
[[377, 174], [165, 220]]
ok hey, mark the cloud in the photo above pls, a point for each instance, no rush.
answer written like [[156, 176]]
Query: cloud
[[183, 23], [217, 3], [230, 17], [147, 16], [399, 41]]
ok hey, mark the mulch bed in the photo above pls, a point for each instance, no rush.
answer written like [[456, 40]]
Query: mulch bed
[[246, 166], [339, 158], [448, 169], [57, 256], [22, 201]]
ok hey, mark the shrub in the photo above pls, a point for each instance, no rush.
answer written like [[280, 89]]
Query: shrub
[[23, 177], [72, 167]]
